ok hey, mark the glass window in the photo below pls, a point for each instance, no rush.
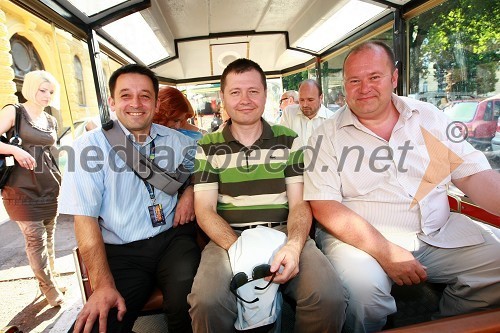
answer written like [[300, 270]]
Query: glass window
[[25, 59], [331, 75], [350, 16], [454, 57], [79, 80], [135, 39], [91, 7], [205, 100], [292, 81], [274, 92]]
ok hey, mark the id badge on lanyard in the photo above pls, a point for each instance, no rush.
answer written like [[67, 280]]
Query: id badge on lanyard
[[155, 210]]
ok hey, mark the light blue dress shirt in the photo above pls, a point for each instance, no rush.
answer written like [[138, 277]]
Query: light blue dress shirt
[[98, 183]]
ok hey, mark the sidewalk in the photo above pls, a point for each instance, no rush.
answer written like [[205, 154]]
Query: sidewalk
[[21, 302]]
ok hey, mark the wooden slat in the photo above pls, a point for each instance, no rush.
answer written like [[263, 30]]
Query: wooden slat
[[479, 322], [472, 210], [479, 214]]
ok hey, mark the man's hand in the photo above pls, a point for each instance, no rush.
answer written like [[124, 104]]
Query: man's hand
[[184, 212], [288, 257], [402, 267], [97, 307]]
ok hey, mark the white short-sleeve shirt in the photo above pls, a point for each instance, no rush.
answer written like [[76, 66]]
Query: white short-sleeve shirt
[[400, 185]]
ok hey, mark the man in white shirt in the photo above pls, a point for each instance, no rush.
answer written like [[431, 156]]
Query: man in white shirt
[[377, 186], [289, 97], [306, 116]]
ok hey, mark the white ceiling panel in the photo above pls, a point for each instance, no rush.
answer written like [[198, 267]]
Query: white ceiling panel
[[191, 24]]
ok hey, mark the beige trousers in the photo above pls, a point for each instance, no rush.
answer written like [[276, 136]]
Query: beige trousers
[[39, 243]]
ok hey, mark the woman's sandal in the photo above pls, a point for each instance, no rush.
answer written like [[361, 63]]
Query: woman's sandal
[[53, 296]]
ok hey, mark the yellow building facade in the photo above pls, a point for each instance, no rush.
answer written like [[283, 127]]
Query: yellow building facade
[[59, 53]]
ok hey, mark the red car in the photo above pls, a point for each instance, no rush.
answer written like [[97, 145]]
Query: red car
[[480, 118]]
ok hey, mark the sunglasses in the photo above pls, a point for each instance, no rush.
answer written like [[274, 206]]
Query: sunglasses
[[283, 99], [258, 272]]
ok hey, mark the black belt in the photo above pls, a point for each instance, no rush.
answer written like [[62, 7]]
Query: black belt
[[253, 225]]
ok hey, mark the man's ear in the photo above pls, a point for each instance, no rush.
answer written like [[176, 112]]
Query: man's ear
[[394, 78], [111, 103], [157, 106]]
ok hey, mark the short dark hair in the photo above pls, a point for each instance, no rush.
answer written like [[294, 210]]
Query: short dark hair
[[239, 66], [133, 68], [371, 45], [314, 83]]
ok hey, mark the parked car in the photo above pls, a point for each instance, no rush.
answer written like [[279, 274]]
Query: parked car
[[495, 142], [480, 118], [442, 99]]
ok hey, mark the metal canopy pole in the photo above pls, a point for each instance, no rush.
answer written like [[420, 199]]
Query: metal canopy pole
[[399, 46], [99, 79]]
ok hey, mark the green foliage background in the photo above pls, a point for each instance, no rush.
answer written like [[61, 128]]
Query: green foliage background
[[462, 39]]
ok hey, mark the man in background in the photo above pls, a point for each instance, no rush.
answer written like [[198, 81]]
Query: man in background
[[289, 97], [309, 114]]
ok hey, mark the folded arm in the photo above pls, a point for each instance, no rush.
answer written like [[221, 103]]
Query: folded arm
[[352, 229], [483, 188], [216, 228], [298, 226], [7, 120], [184, 211]]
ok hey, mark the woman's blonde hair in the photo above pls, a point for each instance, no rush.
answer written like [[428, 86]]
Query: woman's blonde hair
[[32, 82]]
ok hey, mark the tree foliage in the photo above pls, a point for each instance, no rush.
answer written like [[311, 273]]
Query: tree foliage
[[291, 82], [461, 38]]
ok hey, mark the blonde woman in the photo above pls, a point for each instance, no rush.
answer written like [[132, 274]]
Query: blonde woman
[[30, 195]]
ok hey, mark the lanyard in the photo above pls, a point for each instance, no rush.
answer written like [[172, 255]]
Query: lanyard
[[151, 189]]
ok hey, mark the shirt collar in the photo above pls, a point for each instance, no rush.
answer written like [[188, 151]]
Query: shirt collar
[[404, 107], [267, 131], [156, 130], [348, 118], [322, 113]]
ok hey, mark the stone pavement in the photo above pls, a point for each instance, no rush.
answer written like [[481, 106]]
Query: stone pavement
[[21, 302]]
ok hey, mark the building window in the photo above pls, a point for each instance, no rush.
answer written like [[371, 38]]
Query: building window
[[24, 59], [79, 80]]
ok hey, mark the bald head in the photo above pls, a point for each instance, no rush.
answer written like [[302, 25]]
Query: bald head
[[310, 97], [373, 45]]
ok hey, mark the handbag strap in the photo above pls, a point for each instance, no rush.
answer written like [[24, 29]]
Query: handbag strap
[[16, 139]]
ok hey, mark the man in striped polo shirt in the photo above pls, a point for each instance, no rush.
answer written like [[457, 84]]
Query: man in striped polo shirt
[[248, 174]]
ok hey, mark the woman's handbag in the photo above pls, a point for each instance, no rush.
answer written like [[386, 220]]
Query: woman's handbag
[[7, 162]]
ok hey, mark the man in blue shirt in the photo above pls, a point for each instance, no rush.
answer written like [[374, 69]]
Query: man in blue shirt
[[132, 237]]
